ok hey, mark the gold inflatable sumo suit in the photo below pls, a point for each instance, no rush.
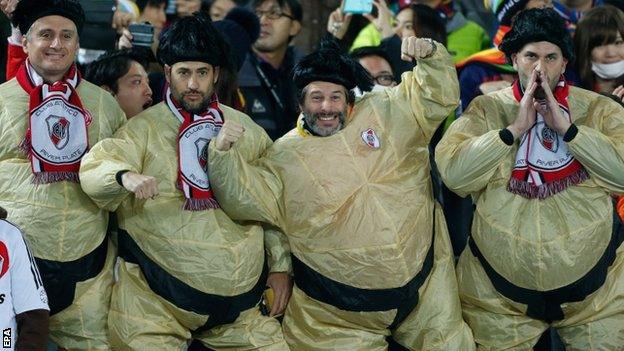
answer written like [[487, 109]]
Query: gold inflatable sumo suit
[[533, 263], [358, 210], [183, 274], [64, 229]]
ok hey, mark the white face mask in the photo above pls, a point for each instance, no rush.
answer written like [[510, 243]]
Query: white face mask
[[379, 87], [608, 70]]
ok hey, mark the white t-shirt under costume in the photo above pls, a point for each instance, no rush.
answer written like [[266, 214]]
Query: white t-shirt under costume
[[21, 287]]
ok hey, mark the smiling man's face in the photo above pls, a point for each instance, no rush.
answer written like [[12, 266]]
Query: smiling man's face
[[51, 45]]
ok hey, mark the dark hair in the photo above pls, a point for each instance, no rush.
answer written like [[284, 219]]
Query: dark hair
[[227, 88], [366, 51], [535, 25], [599, 26], [142, 3], [293, 5], [428, 23], [111, 66]]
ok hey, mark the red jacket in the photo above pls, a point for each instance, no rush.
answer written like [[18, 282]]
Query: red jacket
[[15, 57]]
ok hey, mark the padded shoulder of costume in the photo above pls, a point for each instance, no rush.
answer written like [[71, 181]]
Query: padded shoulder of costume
[[153, 114], [288, 138], [229, 112], [488, 99], [371, 96], [595, 100], [88, 90], [242, 118], [9, 87]]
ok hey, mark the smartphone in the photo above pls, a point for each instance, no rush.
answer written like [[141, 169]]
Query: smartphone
[[142, 34], [357, 6]]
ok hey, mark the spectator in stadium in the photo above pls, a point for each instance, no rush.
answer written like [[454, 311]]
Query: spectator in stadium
[[265, 79], [465, 37], [540, 158], [599, 44], [49, 118], [350, 186], [122, 73], [186, 269], [24, 311], [375, 61]]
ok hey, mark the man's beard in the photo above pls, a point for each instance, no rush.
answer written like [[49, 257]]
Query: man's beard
[[194, 108], [311, 120]]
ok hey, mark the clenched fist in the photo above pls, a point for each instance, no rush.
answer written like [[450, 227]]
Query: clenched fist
[[143, 187], [228, 135], [413, 48]]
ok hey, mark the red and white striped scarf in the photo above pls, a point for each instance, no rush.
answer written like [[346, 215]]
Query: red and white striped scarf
[[194, 134], [544, 165], [57, 134]]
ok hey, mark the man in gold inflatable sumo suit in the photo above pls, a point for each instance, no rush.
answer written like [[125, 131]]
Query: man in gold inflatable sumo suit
[[540, 159], [351, 188], [187, 270], [49, 118]]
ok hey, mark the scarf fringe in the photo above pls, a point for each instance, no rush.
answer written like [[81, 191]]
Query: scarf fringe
[[25, 146], [543, 191], [53, 177], [200, 204]]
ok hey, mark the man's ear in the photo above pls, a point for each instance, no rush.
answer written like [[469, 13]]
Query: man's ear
[[565, 64], [168, 73], [295, 28], [514, 61], [25, 44], [216, 75]]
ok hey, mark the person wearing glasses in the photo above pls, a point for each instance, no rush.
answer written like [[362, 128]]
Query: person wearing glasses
[[264, 79], [376, 62]]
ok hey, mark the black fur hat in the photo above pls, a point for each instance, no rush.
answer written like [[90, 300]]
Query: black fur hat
[[193, 38], [330, 64], [534, 25], [28, 11]]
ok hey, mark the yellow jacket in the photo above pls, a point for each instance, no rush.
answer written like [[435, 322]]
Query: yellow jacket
[[59, 220], [358, 214], [204, 249], [537, 244]]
